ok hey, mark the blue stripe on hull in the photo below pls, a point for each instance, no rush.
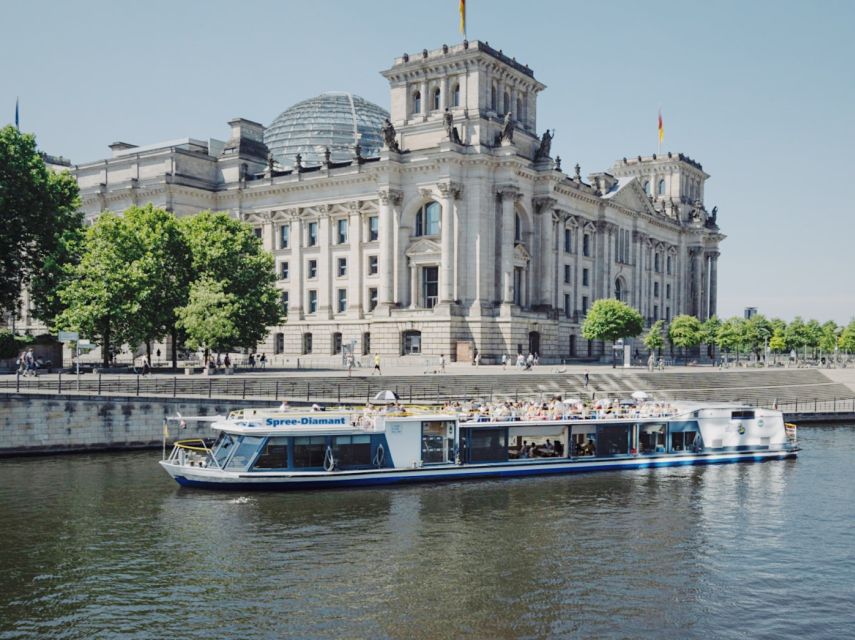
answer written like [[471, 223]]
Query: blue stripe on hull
[[389, 479]]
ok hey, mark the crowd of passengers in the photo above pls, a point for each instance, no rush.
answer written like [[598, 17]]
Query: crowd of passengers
[[557, 409]]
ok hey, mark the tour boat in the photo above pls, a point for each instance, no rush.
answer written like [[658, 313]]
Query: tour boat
[[304, 449]]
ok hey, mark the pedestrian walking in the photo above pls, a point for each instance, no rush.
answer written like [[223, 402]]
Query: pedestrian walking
[[651, 361], [477, 358], [504, 360], [146, 367], [377, 365], [661, 364], [587, 379], [442, 362], [349, 364], [262, 359], [252, 361]]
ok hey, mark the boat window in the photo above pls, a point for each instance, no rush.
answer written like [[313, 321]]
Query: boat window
[[244, 453], [223, 447], [352, 450], [683, 440], [488, 445], [613, 439], [536, 445], [309, 451], [651, 438], [274, 455], [744, 414], [437, 441]]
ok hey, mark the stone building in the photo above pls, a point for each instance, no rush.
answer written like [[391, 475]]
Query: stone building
[[449, 229]]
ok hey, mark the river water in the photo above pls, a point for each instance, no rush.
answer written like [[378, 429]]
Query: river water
[[107, 546]]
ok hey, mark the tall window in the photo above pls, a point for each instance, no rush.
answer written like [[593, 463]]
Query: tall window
[[493, 99], [567, 310], [341, 270], [455, 95], [372, 298], [668, 265], [584, 305], [586, 245], [436, 99], [373, 228], [518, 284], [283, 270], [366, 343], [257, 232], [284, 236], [517, 228], [519, 113], [279, 343], [341, 231], [411, 342], [312, 270], [341, 300], [656, 265], [507, 102], [667, 291], [585, 278], [417, 102], [307, 343], [372, 265], [312, 234], [655, 289], [313, 301], [661, 188], [568, 240], [284, 300], [430, 286], [566, 274], [336, 343], [427, 219]]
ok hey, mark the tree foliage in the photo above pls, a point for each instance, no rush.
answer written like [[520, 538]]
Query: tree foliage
[[610, 319], [847, 337], [226, 251], [685, 331], [38, 214], [654, 339], [209, 316], [731, 334]]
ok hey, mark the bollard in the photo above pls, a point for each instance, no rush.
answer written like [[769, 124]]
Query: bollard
[[276, 395], [18, 382], [244, 389], [59, 383], [411, 394], [138, 385], [99, 384], [338, 386], [210, 386], [174, 386], [308, 387]]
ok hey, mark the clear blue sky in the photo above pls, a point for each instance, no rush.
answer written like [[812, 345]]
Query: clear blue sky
[[762, 93]]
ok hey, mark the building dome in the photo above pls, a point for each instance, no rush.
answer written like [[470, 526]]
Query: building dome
[[336, 120]]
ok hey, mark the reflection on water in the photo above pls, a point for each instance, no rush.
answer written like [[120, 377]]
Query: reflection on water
[[108, 546]]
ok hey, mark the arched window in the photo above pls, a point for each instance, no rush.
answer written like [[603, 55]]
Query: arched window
[[661, 188], [455, 95], [427, 219], [493, 99], [417, 102], [507, 102], [618, 289], [647, 187], [517, 228], [436, 99]]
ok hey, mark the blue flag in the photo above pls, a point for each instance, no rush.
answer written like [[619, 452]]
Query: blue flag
[[17, 121]]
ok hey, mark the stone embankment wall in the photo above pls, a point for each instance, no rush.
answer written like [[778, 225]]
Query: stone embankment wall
[[51, 424]]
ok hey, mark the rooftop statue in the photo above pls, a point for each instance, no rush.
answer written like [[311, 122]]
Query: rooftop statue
[[507, 129], [545, 145], [390, 136]]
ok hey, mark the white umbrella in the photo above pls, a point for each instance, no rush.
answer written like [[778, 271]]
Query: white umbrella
[[385, 396], [640, 395]]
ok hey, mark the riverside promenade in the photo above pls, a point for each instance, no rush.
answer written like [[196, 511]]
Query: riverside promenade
[[56, 413]]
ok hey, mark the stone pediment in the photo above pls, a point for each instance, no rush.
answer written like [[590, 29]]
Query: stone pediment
[[423, 247], [521, 254], [631, 195]]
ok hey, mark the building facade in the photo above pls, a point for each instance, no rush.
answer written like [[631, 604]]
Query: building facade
[[461, 233]]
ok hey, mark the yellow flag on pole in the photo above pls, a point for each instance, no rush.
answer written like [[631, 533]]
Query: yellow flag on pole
[[661, 128], [463, 17]]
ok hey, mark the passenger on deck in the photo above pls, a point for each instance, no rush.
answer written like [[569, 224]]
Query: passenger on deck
[[525, 451]]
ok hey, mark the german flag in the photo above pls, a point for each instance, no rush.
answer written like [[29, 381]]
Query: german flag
[[463, 17], [661, 128]]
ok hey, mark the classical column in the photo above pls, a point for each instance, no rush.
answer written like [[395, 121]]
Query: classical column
[[388, 198], [295, 300], [713, 283], [354, 267], [457, 275], [508, 194], [697, 275], [423, 89], [447, 232], [414, 286], [543, 255]]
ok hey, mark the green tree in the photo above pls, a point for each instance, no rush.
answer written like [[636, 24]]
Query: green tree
[[610, 319], [796, 334], [38, 208], [731, 335], [757, 331], [813, 335], [830, 334], [685, 332], [654, 339], [226, 251], [847, 337], [709, 334], [164, 269], [103, 291], [778, 343], [209, 316]]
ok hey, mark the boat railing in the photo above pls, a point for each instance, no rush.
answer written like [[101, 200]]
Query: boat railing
[[189, 452]]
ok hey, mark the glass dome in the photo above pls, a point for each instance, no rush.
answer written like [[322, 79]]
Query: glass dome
[[336, 120]]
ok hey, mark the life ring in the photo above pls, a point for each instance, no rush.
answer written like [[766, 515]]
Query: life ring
[[379, 456]]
